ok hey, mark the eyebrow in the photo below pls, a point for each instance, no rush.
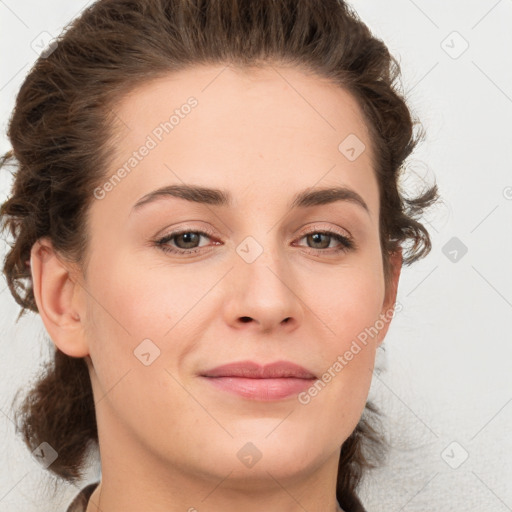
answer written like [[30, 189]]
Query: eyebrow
[[217, 197]]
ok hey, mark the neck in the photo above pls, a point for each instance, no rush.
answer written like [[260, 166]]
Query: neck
[[133, 481]]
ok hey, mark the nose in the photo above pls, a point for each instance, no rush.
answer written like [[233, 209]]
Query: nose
[[263, 295]]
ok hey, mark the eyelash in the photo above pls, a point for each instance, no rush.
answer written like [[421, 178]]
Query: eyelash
[[346, 244]]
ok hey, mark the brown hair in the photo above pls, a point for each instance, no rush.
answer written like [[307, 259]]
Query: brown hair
[[63, 125]]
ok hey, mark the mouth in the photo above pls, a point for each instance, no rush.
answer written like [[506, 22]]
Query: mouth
[[250, 380]]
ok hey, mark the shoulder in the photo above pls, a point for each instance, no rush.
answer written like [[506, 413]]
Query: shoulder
[[79, 504]]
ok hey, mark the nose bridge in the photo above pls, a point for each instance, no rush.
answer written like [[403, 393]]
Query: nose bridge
[[262, 283], [261, 265]]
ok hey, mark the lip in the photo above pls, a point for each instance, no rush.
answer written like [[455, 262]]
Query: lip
[[252, 370], [274, 381]]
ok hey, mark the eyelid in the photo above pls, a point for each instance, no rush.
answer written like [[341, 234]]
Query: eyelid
[[188, 229], [162, 240], [207, 231], [344, 237], [321, 227], [347, 241]]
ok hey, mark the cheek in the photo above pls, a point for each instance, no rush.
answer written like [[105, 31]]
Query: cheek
[[121, 314], [341, 391], [134, 305], [351, 310], [352, 301], [131, 303], [134, 302]]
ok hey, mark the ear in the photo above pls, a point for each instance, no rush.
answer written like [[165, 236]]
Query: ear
[[58, 295], [388, 305]]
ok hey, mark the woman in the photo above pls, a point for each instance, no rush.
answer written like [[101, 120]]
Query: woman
[[207, 211]]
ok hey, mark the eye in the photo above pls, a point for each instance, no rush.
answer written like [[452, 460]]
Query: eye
[[323, 239], [187, 241]]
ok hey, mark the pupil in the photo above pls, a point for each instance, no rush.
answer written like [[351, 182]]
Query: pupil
[[317, 238], [187, 236]]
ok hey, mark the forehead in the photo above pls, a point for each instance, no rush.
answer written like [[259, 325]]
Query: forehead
[[243, 91], [213, 125]]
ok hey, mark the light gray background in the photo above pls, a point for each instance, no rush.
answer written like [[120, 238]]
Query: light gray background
[[447, 364]]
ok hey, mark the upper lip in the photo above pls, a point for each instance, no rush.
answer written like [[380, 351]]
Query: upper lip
[[252, 370]]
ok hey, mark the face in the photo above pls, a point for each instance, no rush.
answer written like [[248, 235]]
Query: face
[[183, 282]]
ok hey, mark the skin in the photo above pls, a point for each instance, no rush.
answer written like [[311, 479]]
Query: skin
[[168, 439]]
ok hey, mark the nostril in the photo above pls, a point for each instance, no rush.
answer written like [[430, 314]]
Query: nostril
[[245, 319]]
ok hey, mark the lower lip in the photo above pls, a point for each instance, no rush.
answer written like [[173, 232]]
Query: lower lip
[[261, 389]]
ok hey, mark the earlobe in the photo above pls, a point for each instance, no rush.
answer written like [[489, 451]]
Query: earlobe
[[54, 291]]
